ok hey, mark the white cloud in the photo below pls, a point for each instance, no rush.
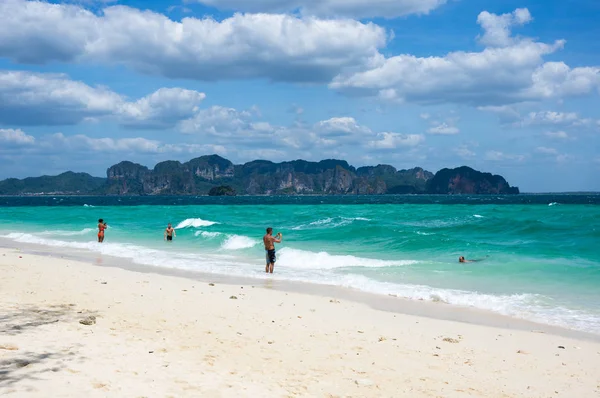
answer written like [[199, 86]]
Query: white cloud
[[83, 142], [512, 70], [341, 126], [501, 156], [136, 145], [219, 121], [464, 152], [53, 99], [497, 28], [332, 8], [228, 126], [557, 135], [546, 151], [395, 140], [425, 116], [15, 137], [162, 108], [550, 118], [276, 47], [443, 129], [506, 113]]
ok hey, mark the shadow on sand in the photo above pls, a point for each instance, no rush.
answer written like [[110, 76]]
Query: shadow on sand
[[17, 365]]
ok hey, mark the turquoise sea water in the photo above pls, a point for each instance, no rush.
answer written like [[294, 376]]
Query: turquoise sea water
[[541, 255]]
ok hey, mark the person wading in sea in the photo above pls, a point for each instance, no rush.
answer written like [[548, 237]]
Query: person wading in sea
[[269, 240], [101, 227], [170, 233]]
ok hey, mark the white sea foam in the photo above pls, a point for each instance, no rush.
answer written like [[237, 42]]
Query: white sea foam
[[238, 242], [330, 222], [86, 205], [302, 259], [320, 268], [207, 234], [553, 204], [84, 231], [195, 223], [477, 216]]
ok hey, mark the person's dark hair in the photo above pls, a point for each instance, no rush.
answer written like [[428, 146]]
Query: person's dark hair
[[269, 230], [100, 221]]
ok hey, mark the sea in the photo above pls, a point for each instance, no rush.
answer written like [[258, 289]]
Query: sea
[[539, 254]]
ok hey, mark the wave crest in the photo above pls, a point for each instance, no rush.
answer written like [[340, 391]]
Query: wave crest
[[295, 258], [195, 223], [238, 242]]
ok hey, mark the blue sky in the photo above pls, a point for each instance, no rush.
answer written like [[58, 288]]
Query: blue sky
[[509, 87]]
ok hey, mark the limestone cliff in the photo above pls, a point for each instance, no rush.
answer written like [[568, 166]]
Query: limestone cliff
[[262, 177], [465, 180]]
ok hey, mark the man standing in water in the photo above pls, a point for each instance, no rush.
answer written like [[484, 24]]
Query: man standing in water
[[170, 233], [269, 240]]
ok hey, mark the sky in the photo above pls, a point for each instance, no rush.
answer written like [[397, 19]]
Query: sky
[[504, 86]]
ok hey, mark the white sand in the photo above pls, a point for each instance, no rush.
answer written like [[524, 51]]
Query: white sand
[[161, 336]]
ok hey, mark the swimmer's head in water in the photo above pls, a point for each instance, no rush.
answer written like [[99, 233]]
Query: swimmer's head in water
[[461, 259], [269, 231], [100, 221]]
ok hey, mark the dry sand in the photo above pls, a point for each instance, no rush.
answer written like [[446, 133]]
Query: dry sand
[[166, 336]]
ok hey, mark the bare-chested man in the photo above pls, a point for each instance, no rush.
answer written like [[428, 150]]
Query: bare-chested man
[[269, 240], [170, 233]]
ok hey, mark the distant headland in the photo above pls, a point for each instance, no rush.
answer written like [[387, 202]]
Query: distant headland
[[214, 175]]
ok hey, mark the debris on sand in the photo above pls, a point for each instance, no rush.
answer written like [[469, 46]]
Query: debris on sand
[[450, 340], [90, 320]]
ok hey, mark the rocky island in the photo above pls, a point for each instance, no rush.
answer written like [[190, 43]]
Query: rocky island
[[217, 176]]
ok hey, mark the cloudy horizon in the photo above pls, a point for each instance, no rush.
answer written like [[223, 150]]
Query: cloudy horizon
[[509, 87]]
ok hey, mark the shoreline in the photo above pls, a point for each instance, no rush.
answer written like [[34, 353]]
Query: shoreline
[[81, 330], [388, 303]]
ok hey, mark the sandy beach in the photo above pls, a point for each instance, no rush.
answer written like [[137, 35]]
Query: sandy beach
[[70, 329]]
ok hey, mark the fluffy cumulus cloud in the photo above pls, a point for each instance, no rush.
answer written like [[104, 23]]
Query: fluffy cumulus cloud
[[331, 8], [12, 137], [508, 70], [53, 99], [161, 109], [59, 144], [228, 126], [340, 127], [276, 47], [497, 28]]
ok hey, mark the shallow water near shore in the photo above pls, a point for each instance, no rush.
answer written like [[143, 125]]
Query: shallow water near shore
[[539, 261]]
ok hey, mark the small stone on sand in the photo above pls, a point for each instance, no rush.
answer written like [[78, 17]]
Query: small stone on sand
[[90, 320], [233, 298]]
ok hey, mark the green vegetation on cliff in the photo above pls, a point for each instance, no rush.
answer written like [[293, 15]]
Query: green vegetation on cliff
[[465, 180], [223, 190], [215, 175], [65, 183]]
